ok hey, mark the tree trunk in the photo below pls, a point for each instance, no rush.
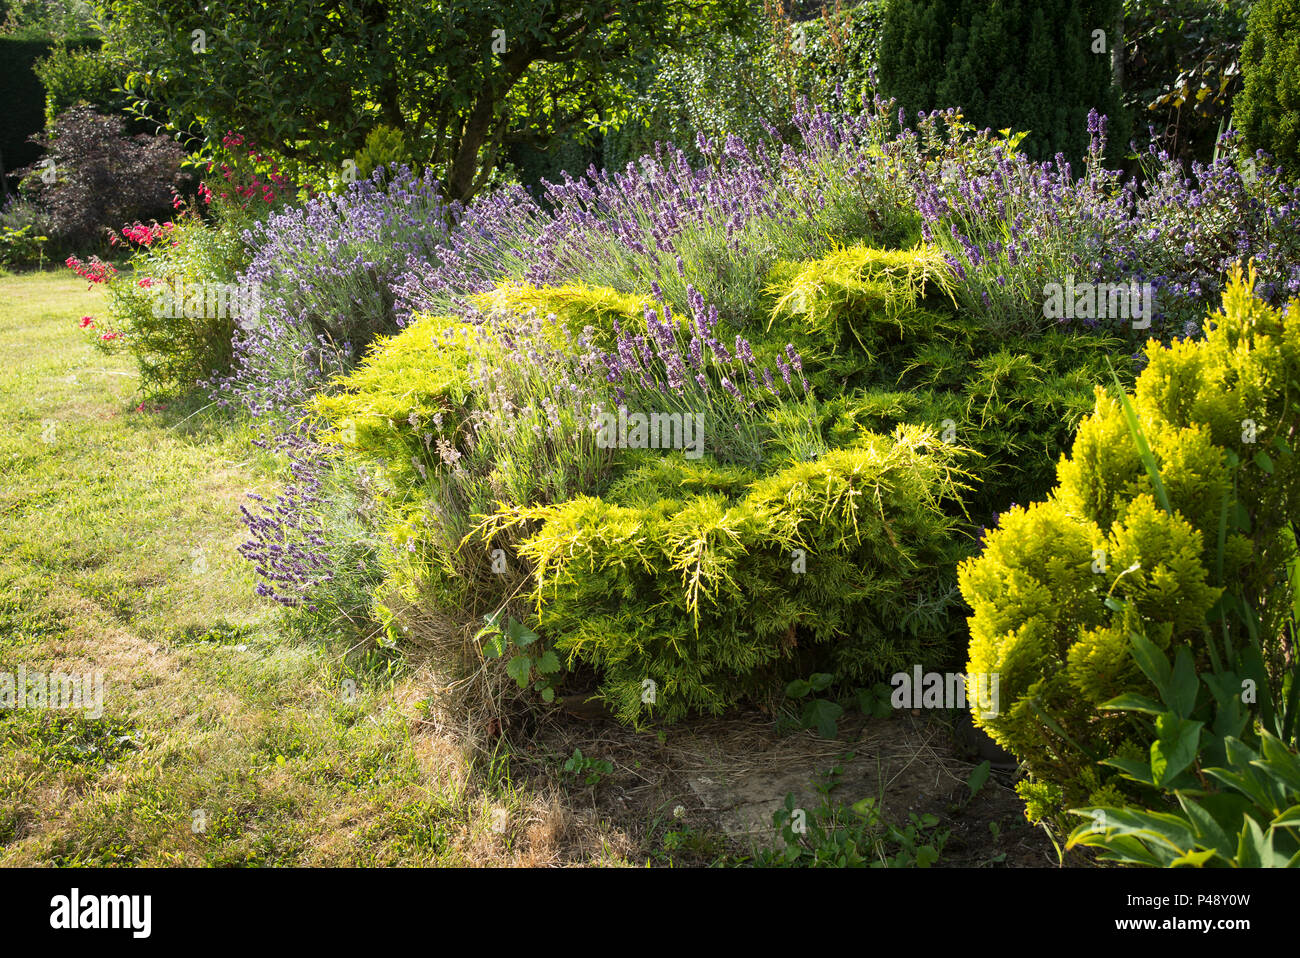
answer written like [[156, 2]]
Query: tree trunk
[[464, 165], [388, 95], [460, 179]]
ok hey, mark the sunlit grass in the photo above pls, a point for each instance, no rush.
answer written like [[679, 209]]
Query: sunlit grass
[[226, 737]]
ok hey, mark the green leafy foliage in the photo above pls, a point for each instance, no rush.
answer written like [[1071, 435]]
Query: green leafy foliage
[[88, 76], [819, 713], [177, 307], [47, 20], [1220, 801], [875, 700], [460, 81], [586, 769], [1181, 70], [733, 82], [831, 835], [21, 247], [516, 644]]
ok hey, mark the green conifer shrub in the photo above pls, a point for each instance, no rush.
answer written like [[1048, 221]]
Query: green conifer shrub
[[834, 549], [384, 145], [1029, 66], [1267, 110], [651, 565], [726, 593], [878, 331]]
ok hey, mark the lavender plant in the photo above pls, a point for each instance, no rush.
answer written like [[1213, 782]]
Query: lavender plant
[[315, 546], [326, 274], [497, 237], [684, 368], [532, 433], [1006, 224], [665, 224], [1187, 232], [465, 416], [1010, 227]]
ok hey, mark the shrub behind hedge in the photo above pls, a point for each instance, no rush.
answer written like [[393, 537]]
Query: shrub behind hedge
[[73, 75]]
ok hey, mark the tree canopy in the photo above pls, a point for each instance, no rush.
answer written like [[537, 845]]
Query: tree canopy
[[459, 79]]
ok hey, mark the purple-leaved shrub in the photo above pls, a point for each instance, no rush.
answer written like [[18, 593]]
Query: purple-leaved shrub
[[95, 177]]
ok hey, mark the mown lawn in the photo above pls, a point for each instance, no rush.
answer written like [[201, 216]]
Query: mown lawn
[[228, 735]]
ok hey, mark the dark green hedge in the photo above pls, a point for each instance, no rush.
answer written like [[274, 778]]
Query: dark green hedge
[[24, 101], [1006, 63], [1268, 107], [23, 97]]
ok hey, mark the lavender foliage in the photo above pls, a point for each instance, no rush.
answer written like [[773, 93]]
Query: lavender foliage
[[666, 225], [287, 538], [314, 543], [326, 274], [1010, 225]]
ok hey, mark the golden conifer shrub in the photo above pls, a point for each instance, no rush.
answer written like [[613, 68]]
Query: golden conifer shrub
[[1061, 585]]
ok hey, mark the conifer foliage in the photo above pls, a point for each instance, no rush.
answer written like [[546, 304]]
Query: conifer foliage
[[1012, 63]]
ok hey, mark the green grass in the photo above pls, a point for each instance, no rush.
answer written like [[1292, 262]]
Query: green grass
[[118, 553]]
